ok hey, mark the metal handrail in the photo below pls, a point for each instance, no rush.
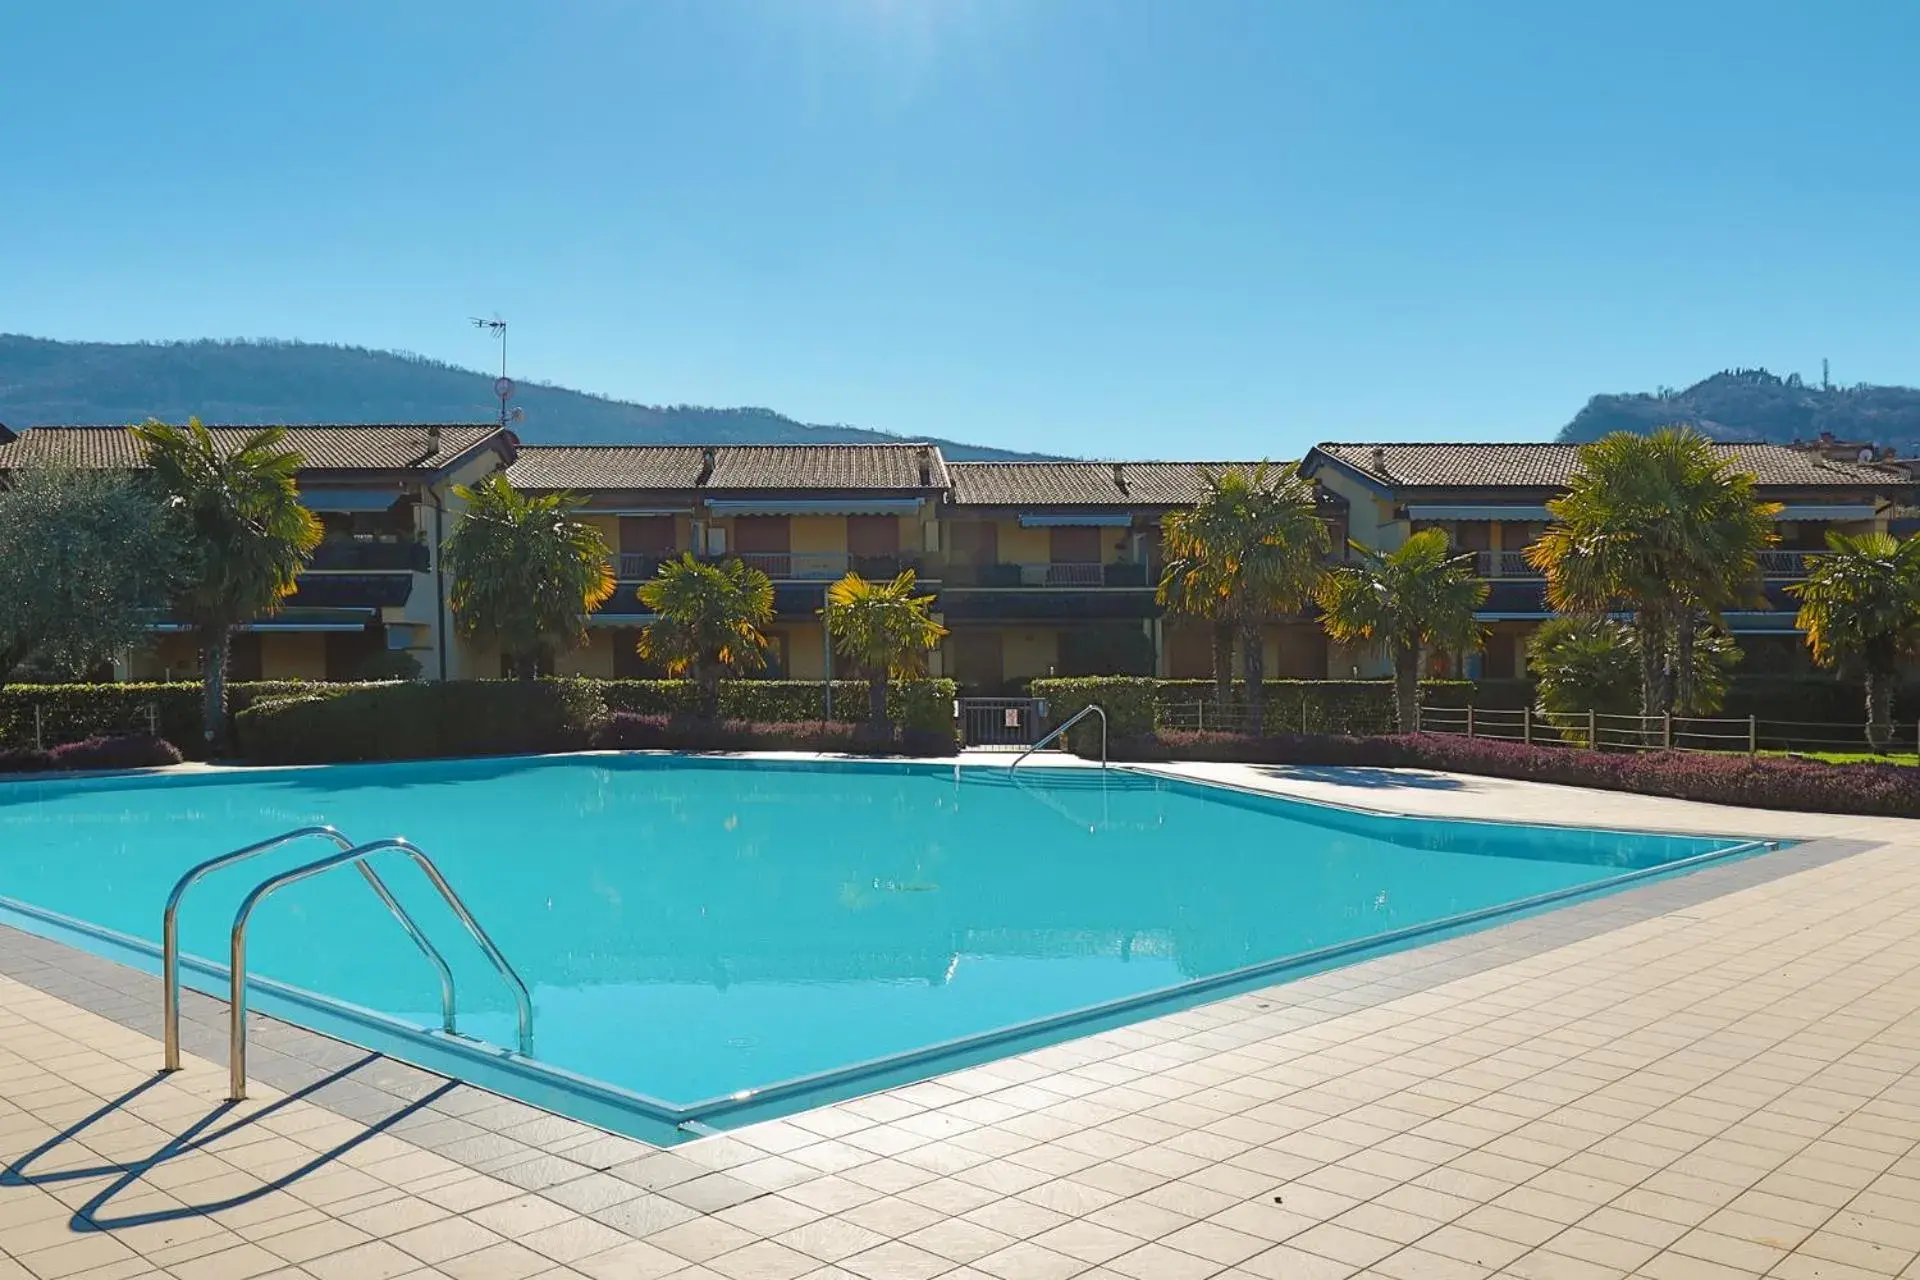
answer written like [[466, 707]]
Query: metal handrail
[[237, 968], [1092, 708], [170, 930]]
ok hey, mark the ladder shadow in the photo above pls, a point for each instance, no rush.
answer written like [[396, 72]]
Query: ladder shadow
[[198, 1136]]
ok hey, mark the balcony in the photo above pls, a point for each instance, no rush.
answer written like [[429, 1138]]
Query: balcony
[[1048, 574], [1788, 564], [1503, 564], [784, 566], [361, 557]]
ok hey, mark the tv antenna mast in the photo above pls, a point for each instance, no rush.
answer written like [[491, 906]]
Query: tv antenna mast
[[502, 385]]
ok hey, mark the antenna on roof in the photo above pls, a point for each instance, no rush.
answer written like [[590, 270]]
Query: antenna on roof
[[502, 385]]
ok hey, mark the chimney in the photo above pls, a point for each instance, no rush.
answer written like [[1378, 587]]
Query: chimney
[[706, 466], [1120, 476], [1380, 459], [926, 466], [433, 440]]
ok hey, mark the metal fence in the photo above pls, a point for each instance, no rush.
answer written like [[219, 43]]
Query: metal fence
[[1750, 735], [1001, 722], [43, 725]]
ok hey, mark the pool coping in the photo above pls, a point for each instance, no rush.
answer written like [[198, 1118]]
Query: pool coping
[[474, 1127]]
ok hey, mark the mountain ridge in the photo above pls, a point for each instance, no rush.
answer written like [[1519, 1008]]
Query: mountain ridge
[[48, 381], [1755, 405]]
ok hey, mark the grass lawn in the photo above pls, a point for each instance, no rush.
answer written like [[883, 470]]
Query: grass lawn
[[1850, 757]]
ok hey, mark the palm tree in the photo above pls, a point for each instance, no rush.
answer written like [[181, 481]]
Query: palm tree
[[1860, 607], [1249, 551], [886, 629], [1587, 664], [526, 571], [245, 536], [709, 623], [1665, 527], [1421, 596]]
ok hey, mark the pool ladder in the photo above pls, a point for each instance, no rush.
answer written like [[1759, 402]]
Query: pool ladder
[[347, 853], [1091, 709]]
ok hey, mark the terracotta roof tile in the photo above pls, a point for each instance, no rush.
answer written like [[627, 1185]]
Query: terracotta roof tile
[[1549, 466], [756, 467], [370, 447], [1083, 484]]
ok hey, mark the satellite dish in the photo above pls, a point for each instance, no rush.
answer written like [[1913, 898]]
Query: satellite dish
[[503, 387], [518, 415], [1866, 453]]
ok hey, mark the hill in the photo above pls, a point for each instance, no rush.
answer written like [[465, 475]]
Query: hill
[[1753, 404], [43, 381]]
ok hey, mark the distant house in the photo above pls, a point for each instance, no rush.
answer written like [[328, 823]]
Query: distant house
[[1491, 499], [384, 498]]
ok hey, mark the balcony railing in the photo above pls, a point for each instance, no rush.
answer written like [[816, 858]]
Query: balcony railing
[[363, 556], [1067, 573], [1503, 564], [1788, 564], [784, 566]]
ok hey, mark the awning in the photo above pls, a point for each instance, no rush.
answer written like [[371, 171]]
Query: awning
[[349, 499], [1077, 520], [1760, 622], [814, 507], [1832, 511], [636, 511], [620, 619], [1421, 511], [291, 620]]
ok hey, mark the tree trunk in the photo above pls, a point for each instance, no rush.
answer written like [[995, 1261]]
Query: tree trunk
[[1879, 710], [877, 703], [1686, 636], [1653, 682], [1406, 688], [1222, 667], [1253, 670], [213, 667], [706, 675]]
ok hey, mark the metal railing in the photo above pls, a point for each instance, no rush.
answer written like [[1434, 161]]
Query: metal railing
[[1503, 564], [346, 554], [348, 853], [1619, 731], [1091, 709], [1788, 564]]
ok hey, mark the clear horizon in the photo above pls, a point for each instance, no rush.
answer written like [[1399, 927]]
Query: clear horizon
[[1222, 230]]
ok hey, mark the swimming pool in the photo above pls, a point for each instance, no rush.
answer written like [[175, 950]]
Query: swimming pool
[[714, 940]]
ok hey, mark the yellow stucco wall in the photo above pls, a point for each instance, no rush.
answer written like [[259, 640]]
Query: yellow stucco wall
[[1028, 652], [817, 534], [293, 655], [594, 658], [806, 657], [1370, 519]]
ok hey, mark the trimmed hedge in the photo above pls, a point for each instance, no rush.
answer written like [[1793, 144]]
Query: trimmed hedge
[[1134, 704], [626, 731], [1881, 790], [913, 704], [332, 724], [71, 712], [121, 751], [74, 712]]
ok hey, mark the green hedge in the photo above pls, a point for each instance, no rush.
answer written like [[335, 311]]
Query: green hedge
[[418, 721], [1136, 705], [913, 704], [75, 712]]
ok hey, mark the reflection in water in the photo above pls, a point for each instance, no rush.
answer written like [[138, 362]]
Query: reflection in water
[[692, 928]]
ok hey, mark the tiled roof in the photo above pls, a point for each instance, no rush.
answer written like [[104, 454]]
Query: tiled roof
[[1550, 466], [322, 448], [1083, 484], [757, 467]]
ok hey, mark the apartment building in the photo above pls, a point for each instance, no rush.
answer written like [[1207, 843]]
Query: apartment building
[[384, 496], [803, 514], [1491, 499], [1038, 568]]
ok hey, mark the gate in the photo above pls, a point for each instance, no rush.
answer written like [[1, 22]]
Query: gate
[[1001, 722]]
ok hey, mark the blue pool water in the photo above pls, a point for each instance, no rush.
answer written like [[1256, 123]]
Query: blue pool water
[[693, 930]]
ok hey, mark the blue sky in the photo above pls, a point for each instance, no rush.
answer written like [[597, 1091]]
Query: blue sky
[[1102, 227]]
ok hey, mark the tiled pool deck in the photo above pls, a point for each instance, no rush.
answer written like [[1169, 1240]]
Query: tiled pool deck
[[1713, 1076]]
